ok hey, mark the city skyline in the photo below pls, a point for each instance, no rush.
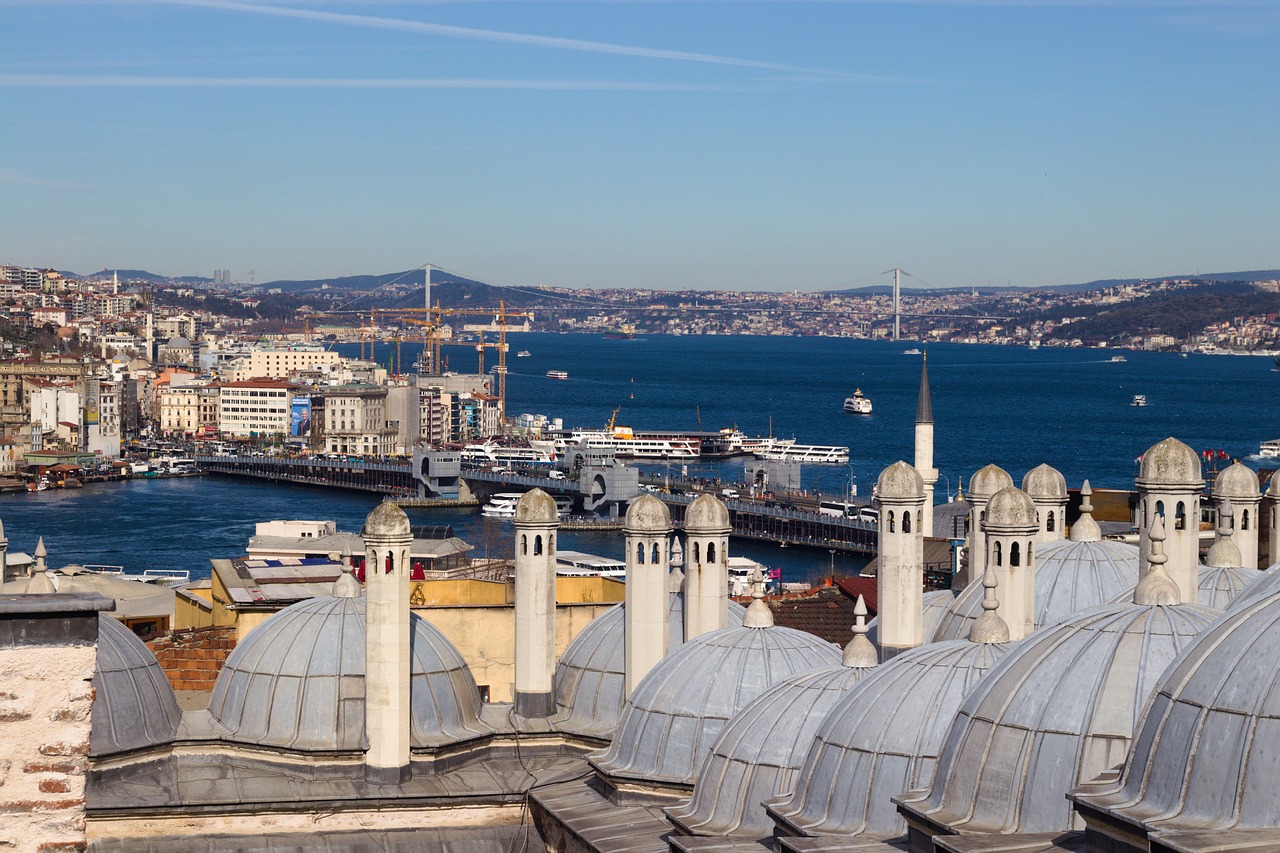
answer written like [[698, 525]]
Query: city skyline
[[717, 145]]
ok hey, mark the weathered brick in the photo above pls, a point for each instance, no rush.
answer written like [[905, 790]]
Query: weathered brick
[[71, 767], [55, 786], [13, 716], [63, 847], [64, 748], [22, 806]]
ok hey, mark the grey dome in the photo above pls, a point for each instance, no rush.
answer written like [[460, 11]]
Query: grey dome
[[881, 739], [1056, 712], [1170, 463], [298, 682], [1237, 481], [1070, 577], [1219, 586], [936, 604], [591, 675], [1268, 582], [757, 755], [900, 480], [678, 710], [647, 514], [707, 514], [536, 507], [133, 704], [1045, 483], [1010, 508], [387, 519], [988, 481], [1204, 752]]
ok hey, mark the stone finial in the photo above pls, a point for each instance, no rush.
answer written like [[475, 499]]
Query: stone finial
[[677, 553], [41, 554], [346, 586], [1086, 529], [675, 579], [758, 615], [1224, 553], [860, 652], [41, 584], [1156, 587], [989, 627]]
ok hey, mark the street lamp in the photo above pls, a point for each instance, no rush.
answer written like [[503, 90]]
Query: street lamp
[[948, 479], [853, 482], [832, 552]]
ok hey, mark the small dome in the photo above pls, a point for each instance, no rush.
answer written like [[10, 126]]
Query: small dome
[[387, 519], [707, 514], [1070, 577], [900, 480], [1044, 483], [758, 753], [1222, 692], [987, 482], [536, 507], [1056, 712], [1237, 481], [881, 739], [590, 678], [647, 514], [298, 682], [1010, 508], [1170, 463], [678, 710], [1219, 586], [133, 704], [1273, 486]]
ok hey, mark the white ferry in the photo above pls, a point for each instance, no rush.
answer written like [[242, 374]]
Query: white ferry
[[1270, 449], [815, 454], [734, 442], [537, 453], [502, 505], [1139, 400], [859, 403], [1118, 359], [740, 569], [524, 353], [557, 374], [912, 351], [576, 564]]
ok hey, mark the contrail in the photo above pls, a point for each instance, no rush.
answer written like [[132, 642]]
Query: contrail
[[124, 80]]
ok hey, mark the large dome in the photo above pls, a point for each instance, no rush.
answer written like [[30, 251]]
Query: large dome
[[881, 739], [1204, 754], [133, 704], [1267, 582], [678, 710], [758, 753], [298, 682], [590, 680], [1056, 712]]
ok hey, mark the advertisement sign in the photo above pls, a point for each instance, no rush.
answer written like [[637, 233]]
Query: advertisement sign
[[300, 417]]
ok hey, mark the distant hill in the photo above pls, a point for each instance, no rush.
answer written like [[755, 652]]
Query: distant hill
[[1249, 276], [405, 290]]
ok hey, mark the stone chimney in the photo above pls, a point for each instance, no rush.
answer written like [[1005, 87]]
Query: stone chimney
[[706, 583], [647, 532], [900, 579], [536, 522], [387, 538]]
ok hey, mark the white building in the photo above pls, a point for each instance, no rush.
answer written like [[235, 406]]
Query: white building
[[255, 408]]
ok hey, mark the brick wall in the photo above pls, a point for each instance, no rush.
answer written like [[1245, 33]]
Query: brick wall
[[192, 659]]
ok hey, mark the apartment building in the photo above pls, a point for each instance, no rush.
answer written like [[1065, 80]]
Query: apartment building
[[255, 408], [355, 420]]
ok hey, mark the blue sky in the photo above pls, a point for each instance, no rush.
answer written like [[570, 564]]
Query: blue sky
[[719, 144]]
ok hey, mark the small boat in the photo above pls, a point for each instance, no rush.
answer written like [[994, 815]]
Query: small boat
[[1139, 400], [1270, 448], [859, 404], [37, 486], [557, 374], [524, 353], [912, 351], [1118, 359], [502, 505]]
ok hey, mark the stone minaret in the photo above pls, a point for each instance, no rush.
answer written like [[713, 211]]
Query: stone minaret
[[1169, 484], [647, 531], [1272, 508], [982, 486], [1239, 485], [536, 524], [706, 579], [1048, 491], [1010, 529], [900, 579], [386, 717], [924, 444]]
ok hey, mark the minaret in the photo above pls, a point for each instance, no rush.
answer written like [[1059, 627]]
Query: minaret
[[1239, 485], [647, 531], [1048, 491], [924, 444], [706, 581], [1169, 484], [982, 486], [536, 524], [387, 538], [900, 579], [1010, 529]]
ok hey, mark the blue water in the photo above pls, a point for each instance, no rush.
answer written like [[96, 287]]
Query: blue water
[[1010, 405]]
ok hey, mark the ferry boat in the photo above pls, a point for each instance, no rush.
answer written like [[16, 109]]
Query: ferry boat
[[577, 564], [557, 374], [625, 332], [1118, 359], [1270, 449], [814, 454], [629, 444], [731, 441], [502, 505], [859, 404], [524, 353], [1139, 400], [537, 453], [740, 569], [912, 351]]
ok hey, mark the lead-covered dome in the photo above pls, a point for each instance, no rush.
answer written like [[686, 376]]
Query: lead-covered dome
[[1204, 753], [1220, 585], [536, 507], [1056, 712], [1045, 483], [133, 705], [1237, 482], [678, 710], [1170, 463], [1010, 508], [987, 481], [900, 481], [881, 739], [707, 514], [647, 514], [297, 681], [590, 679], [387, 519]]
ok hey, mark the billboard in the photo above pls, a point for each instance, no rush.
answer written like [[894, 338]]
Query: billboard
[[300, 417]]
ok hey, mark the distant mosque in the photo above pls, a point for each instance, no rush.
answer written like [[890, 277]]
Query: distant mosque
[[1071, 693]]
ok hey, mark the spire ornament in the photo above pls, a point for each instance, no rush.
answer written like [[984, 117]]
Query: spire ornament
[[989, 627], [1157, 587], [758, 615], [860, 652]]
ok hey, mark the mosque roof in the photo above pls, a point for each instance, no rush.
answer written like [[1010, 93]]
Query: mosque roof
[[1056, 712], [1218, 586], [133, 705], [1268, 582], [937, 602]]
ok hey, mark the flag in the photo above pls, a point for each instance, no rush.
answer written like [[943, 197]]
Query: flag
[[775, 574]]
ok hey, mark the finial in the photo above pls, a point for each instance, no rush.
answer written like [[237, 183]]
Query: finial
[[41, 584], [346, 586], [758, 615], [1086, 529], [1156, 587], [675, 579], [41, 553], [1224, 553], [989, 627], [960, 490], [860, 652]]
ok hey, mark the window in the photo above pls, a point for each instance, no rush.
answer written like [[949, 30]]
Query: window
[[711, 552], [1013, 555], [1048, 524], [906, 522], [537, 546], [640, 553], [996, 550]]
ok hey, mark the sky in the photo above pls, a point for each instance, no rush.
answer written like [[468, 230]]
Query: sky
[[713, 144]]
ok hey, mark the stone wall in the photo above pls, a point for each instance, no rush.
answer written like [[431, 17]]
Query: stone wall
[[192, 659]]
